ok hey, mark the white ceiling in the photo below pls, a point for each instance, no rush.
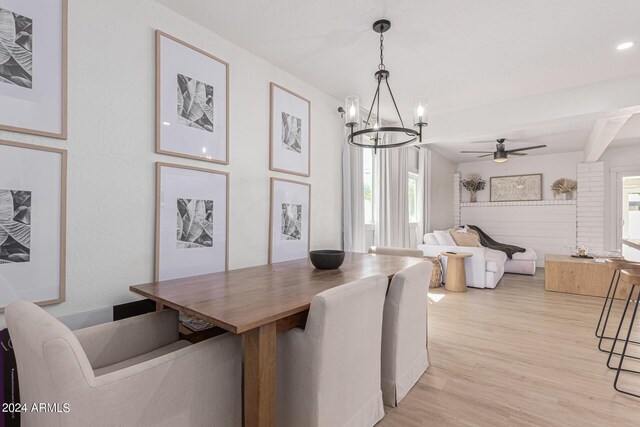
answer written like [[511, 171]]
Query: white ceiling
[[459, 53], [629, 134], [561, 136]]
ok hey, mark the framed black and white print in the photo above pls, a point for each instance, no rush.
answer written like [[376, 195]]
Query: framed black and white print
[[290, 131], [192, 221], [32, 223], [192, 107], [33, 67], [290, 215]]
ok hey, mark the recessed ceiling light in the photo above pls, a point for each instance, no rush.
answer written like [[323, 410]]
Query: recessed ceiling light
[[625, 45]]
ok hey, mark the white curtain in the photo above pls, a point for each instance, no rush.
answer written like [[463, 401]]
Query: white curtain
[[392, 226], [352, 198], [424, 225]]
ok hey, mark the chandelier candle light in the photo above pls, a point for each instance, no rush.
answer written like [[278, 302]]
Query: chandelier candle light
[[377, 132]]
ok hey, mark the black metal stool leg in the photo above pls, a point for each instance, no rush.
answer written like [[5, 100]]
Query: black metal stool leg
[[604, 306], [606, 321], [617, 337], [624, 349]]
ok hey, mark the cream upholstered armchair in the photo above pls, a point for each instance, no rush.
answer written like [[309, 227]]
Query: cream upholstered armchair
[[382, 250], [131, 372], [405, 355], [329, 373]]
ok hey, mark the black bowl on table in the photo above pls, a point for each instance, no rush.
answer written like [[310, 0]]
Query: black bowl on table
[[326, 259]]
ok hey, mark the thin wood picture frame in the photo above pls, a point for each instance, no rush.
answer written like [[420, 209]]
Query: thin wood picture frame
[[63, 217], [273, 182], [63, 134], [158, 112], [159, 166], [272, 143], [492, 191]]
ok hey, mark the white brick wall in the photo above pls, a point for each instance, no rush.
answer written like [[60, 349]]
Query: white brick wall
[[590, 206], [456, 199]]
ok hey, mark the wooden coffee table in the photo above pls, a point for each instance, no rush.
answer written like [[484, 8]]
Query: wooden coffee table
[[456, 274]]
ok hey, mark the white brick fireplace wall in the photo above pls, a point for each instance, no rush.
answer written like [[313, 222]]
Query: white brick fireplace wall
[[590, 206]]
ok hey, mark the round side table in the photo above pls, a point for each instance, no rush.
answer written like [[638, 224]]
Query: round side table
[[456, 275]]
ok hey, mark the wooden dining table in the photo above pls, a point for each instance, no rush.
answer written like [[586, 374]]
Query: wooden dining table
[[259, 302]]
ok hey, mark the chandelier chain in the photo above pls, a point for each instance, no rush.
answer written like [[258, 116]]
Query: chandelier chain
[[381, 66]]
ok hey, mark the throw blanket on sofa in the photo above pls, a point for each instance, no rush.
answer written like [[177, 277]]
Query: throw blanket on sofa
[[488, 242]]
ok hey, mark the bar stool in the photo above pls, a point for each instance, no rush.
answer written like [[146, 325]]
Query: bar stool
[[615, 264], [632, 277]]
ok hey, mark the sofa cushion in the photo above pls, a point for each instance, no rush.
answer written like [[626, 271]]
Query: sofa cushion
[[465, 239], [494, 255], [430, 239], [528, 255], [444, 238]]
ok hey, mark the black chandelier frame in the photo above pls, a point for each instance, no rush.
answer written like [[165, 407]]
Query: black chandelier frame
[[381, 26]]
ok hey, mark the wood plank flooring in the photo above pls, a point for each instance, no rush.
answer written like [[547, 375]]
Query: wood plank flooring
[[517, 356]]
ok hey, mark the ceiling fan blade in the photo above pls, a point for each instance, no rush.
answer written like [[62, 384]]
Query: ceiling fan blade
[[486, 155], [526, 148], [465, 152], [518, 154]]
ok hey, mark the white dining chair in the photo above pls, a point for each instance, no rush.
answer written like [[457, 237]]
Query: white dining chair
[[405, 356], [328, 373], [133, 372]]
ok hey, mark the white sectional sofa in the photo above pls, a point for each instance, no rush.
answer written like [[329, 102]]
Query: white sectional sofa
[[486, 267]]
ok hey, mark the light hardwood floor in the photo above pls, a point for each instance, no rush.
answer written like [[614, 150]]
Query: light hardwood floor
[[516, 356]]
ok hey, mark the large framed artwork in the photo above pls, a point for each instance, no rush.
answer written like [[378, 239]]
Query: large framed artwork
[[192, 221], [33, 194], [290, 215], [516, 188], [192, 101], [33, 67], [290, 132]]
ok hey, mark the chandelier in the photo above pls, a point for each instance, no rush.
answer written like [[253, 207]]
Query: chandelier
[[376, 132]]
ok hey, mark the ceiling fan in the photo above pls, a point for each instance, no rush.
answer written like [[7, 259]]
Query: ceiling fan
[[502, 154]]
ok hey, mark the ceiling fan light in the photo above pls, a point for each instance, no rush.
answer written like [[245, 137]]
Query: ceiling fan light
[[500, 156]]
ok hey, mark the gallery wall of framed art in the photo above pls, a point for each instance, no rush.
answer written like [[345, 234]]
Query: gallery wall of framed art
[[290, 132], [111, 143], [33, 197], [197, 200], [289, 219], [33, 67], [192, 101]]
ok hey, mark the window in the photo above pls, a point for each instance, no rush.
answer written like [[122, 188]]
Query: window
[[368, 171], [412, 193]]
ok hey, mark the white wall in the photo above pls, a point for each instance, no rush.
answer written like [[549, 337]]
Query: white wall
[[551, 167], [546, 228], [111, 199], [440, 187]]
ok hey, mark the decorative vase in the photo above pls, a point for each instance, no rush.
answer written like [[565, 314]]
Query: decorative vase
[[474, 197], [568, 195]]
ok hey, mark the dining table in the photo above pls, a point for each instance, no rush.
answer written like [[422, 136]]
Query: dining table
[[260, 302]]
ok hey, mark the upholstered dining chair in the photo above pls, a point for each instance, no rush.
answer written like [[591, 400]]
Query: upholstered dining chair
[[328, 373], [125, 373], [405, 355], [383, 250]]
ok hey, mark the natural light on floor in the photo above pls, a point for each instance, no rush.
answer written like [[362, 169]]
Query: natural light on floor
[[436, 297]]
